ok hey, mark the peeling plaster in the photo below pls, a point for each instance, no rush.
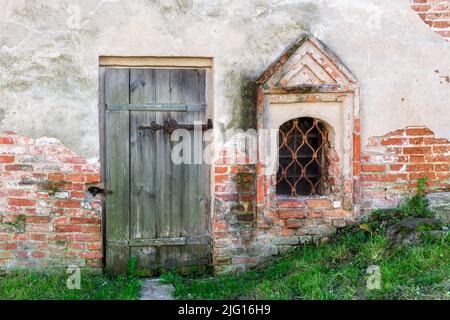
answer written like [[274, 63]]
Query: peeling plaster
[[49, 57]]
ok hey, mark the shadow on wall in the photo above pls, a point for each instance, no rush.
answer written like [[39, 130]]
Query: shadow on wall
[[241, 92]]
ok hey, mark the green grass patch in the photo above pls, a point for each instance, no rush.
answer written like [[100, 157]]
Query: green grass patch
[[334, 271], [42, 286]]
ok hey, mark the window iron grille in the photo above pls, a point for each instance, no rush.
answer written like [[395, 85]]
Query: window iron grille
[[303, 149]]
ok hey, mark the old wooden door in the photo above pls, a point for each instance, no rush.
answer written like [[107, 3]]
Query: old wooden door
[[156, 210]]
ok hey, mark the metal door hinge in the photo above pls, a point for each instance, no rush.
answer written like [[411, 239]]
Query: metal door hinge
[[170, 125]]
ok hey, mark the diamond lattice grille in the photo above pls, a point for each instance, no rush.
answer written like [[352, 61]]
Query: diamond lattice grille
[[302, 158]]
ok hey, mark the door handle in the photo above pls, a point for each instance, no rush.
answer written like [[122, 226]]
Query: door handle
[[171, 125], [96, 190]]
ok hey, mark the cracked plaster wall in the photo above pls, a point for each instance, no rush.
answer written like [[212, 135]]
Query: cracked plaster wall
[[49, 53]]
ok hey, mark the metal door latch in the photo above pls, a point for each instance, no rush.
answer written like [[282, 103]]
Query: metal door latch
[[96, 190], [170, 125]]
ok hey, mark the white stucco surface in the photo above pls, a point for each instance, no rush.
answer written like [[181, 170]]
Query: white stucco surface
[[49, 53]]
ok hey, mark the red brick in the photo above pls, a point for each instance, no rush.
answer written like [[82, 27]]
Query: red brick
[[221, 169], [16, 193], [5, 236], [6, 140], [38, 219], [373, 167], [21, 202], [38, 254], [68, 204], [221, 179], [441, 167], [76, 220], [7, 159], [20, 237], [8, 246], [441, 24], [421, 7], [287, 232], [18, 167], [337, 213], [91, 229], [291, 204], [418, 132], [416, 141], [76, 177], [356, 147], [416, 150], [318, 203], [418, 175], [293, 224], [291, 214], [392, 141], [76, 160], [38, 237], [441, 149], [93, 178], [21, 254], [77, 195], [419, 167], [77, 186], [95, 246], [396, 167], [67, 228], [91, 255], [417, 159], [88, 237], [56, 177], [356, 168]]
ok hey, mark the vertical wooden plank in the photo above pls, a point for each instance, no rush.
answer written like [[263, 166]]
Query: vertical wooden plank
[[176, 209], [142, 157], [163, 167], [117, 171], [193, 202], [117, 181], [102, 136]]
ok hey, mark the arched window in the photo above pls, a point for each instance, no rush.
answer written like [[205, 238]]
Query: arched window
[[303, 148]]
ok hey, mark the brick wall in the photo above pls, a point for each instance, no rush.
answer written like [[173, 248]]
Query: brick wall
[[245, 235], [392, 164], [47, 218], [435, 13]]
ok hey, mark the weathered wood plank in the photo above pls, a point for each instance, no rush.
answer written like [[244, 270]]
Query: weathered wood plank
[[117, 180], [163, 162], [117, 168], [142, 159], [167, 107], [176, 169], [193, 201]]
